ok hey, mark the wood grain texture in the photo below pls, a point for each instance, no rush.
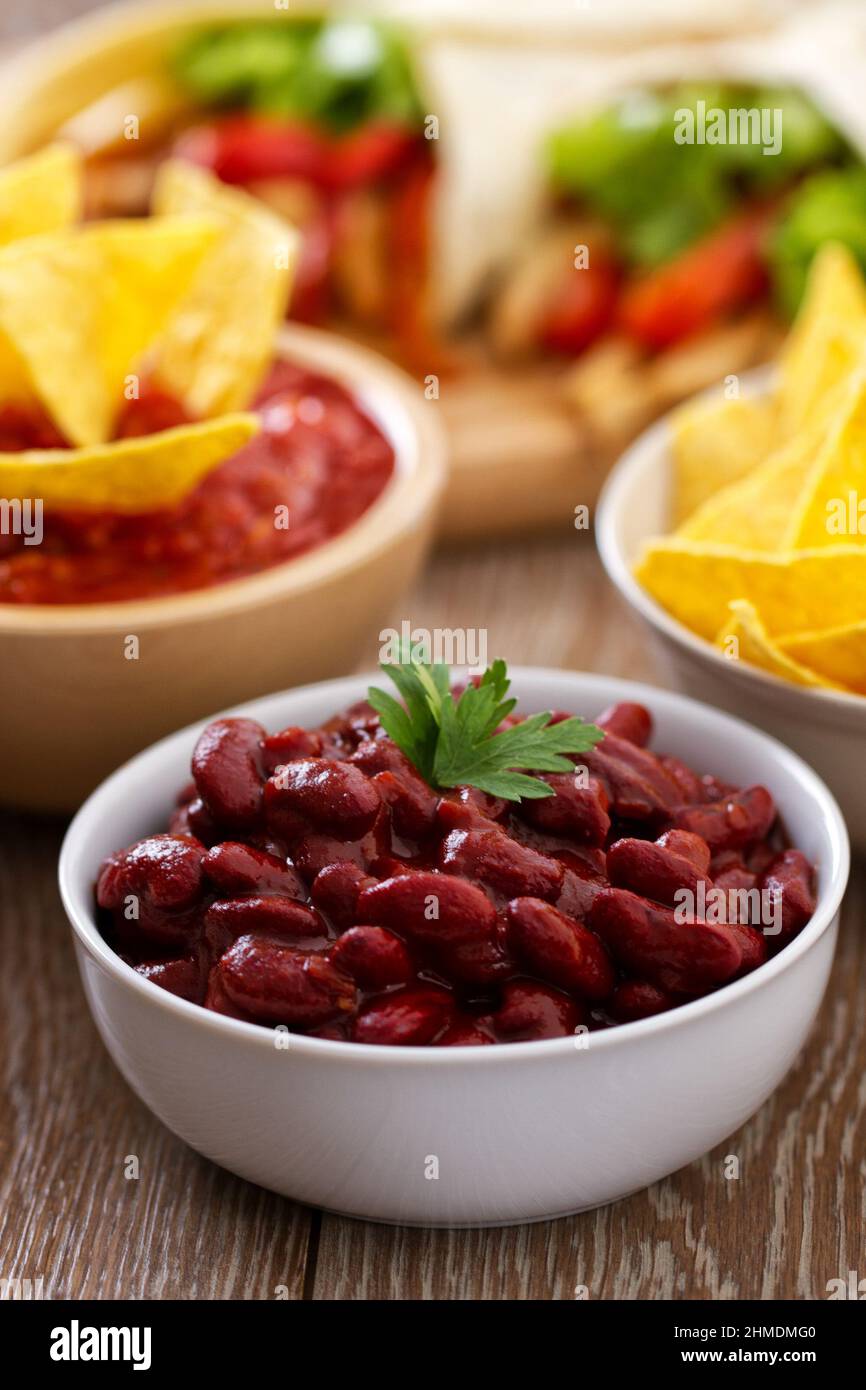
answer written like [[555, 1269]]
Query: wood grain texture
[[792, 1220]]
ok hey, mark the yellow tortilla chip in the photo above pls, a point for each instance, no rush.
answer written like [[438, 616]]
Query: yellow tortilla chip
[[827, 340], [836, 479], [714, 444], [220, 342], [839, 653], [744, 638], [695, 581], [40, 193], [79, 308], [140, 474], [755, 513]]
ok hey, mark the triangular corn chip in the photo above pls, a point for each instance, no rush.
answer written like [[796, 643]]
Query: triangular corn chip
[[755, 513], [715, 443], [744, 638], [827, 340], [81, 307], [837, 473], [40, 193], [139, 474], [838, 653], [695, 581], [220, 342]]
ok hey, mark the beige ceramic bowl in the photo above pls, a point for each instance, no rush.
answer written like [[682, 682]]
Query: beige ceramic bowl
[[74, 706]]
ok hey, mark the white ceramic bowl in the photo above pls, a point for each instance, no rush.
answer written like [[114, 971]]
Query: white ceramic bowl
[[826, 727], [521, 1131]]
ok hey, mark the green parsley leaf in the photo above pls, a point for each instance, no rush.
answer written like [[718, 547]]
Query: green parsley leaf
[[454, 743]]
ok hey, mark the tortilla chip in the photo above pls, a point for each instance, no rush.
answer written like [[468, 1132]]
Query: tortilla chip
[[140, 474], [836, 477], [838, 653], [79, 308], [755, 513], [694, 581], [744, 638], [714, 444], [220, 342], [41, 193], [827, 340]]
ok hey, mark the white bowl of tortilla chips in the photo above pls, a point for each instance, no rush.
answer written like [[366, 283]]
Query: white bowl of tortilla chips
[[191, 298], [736, 529]]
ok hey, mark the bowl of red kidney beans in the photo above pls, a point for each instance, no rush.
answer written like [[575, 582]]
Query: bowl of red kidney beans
[[336, 980]]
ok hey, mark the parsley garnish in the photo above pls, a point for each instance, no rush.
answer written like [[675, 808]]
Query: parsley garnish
[[453, 743]]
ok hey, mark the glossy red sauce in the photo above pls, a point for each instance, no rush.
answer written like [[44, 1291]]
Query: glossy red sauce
[[318, 455]]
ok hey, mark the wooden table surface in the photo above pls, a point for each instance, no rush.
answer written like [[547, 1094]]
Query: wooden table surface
[[185, 1229]]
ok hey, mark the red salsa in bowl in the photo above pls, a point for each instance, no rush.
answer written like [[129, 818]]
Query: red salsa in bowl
[[316, 466], [312, 879]]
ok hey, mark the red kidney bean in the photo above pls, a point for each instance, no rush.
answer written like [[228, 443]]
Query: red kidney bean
[[662, 870], [627, 720], [456, 813], [233, 867], [282, 918], [334, 798], [575, 811], [201, 823], [637, 785], [409, 1018], [336, 1032], [491, 807], [360, 721], [335, 892], [227, 768], [690, 785], [218, 1001], [683, 957], [560, 951], [278, 985], [736, 821], [373, 957], [165, 870], [760, 857], [491, 857], [288, 745], [531, 1011], [449, 919], [184, 976], [790, 877], [737, 878], [579, 885], [753, 944], [312, 852], [634, 999], [714, 789], [401, 787], [412, 814], [465, 1031], [153, 888], [689, 847]]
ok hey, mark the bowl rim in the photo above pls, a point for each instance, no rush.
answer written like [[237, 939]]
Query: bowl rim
[[395, 403], [830, 893], [655, 442]]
